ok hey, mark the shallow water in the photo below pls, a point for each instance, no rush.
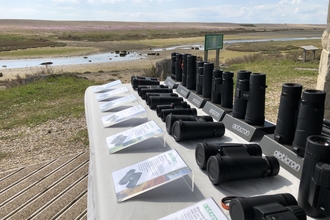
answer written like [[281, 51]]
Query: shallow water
[[96, 58], [114, 57]]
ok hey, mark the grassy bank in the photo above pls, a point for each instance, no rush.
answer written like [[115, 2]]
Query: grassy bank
[[38, 102]]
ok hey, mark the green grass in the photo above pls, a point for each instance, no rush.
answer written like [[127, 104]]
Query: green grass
[[35, 103]]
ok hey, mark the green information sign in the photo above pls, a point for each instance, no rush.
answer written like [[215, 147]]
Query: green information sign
[[213, 42]]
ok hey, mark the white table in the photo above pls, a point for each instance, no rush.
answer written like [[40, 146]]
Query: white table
[[168, 198]]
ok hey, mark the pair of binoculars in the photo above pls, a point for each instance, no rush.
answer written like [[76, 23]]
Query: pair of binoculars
[[269, 207], [185, 127], [140, 87], [227, 162], [140, 80], [179, 108], [299, 116], [249, 101]]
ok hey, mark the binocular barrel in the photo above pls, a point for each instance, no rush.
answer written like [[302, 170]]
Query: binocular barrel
[[178, 69], [287, 113], [199, 80], [227, 90], [191, 72], [310, 119], [184, 69], [207, 79], [216, 86], [173, 63], [279, 206], [187, 130], [161, 100], [221, 169], [171, 118], [204, 151], [241, 93], [255, 110], [314, 188]]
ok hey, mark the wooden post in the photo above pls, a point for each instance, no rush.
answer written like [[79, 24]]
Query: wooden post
[[217, 59], [304, 55], [206, 55]]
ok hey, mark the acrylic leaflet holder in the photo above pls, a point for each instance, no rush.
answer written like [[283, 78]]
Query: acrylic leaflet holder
[[126, 100], [108, 86], [135, 135], [206, 209], [133, 112], [111, 94], [150, 174]]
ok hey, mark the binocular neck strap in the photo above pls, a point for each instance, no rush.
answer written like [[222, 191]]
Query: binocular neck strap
[[226, 201]]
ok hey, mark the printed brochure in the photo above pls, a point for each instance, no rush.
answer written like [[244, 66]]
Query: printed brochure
[[123, 115], [110, 94], [204, 210], [148, 174], [118, 102], [107, 86], [133, 136]]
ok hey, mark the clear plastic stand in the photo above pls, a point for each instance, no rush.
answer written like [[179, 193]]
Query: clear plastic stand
[[107, 95], [134, 135], [149, 174], [126, 100], [133, 112], [108, 86]]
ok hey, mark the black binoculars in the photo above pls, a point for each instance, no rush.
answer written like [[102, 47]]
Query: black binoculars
[[176, 63], [140, 80], [231, 162], [184, 69], [144, 91], [179, 108], [314, 188], [187, 130], [154, 101], [150, 94], [268, 207], [159, 108], [250, 96], [204, 151], [149, 87], [171, 118]]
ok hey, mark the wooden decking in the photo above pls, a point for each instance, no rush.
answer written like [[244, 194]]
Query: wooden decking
[[55, 189]]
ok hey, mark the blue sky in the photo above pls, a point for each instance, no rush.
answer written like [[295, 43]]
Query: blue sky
[[242, 11]]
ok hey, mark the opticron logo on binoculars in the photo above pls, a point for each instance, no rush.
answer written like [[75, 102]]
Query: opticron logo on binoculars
[[285, 159], [240, 129]]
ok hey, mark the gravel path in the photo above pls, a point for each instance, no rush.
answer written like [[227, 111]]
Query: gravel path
[[25, 145]]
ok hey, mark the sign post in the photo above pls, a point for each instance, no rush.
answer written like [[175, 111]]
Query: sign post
[[213, 42]]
